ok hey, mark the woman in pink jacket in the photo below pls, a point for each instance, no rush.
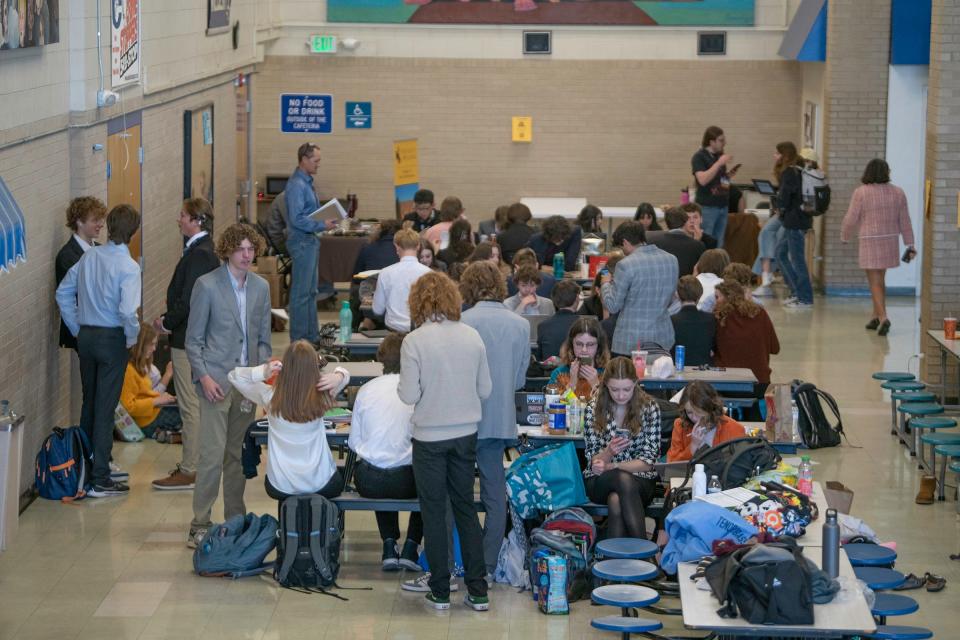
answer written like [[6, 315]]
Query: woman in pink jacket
[[879, 210]]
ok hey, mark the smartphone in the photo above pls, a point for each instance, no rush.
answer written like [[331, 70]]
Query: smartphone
[[909, 254], [622, 433], [735, 168], [586, 360], [604, 271]]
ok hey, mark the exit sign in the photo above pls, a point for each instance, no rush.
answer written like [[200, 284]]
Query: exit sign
[[323, 44]]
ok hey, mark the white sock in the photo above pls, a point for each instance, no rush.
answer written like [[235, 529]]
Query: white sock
[[766, 278]]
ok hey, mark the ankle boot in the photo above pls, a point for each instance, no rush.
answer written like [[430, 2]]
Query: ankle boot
[[928, 486]]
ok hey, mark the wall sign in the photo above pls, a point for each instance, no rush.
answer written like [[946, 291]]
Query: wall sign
[[306, 113], [218, 16], [124, 42], [359, 115]]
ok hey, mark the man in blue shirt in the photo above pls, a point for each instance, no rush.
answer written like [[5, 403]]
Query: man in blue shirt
[[303, 244], [98, 300]]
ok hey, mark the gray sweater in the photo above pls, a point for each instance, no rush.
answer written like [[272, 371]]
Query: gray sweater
[[444, 374], [544, 306]]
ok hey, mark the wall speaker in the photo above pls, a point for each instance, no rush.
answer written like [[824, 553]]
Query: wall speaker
[[536, 42], [711, 43]]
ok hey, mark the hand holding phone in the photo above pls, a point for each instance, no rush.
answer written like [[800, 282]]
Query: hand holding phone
[[909, 254]]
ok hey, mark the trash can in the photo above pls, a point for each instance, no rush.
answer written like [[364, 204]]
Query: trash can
[[11, 456]]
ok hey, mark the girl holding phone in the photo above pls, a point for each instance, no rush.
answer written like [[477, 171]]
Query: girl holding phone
[[702, 422], [584, 354], [622, 432]]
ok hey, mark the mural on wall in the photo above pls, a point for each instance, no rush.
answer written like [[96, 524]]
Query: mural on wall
[[734, 13], [29, 23]]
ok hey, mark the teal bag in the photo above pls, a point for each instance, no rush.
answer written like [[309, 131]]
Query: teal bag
[[546, 479]]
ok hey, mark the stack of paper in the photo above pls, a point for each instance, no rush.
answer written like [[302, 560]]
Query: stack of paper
[[731, 498]]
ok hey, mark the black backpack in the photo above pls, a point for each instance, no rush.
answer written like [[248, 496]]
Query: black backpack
[[815, 428], [308, 545], [736, 461]]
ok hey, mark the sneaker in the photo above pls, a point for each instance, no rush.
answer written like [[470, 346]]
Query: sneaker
[[438, 603], [477, 603], [196, 536], [176, 481], [797, 305], [763, 291], [389, 559], [422, 584], [116, 472], [107, 489], [409, 556], [788, 301], [490, 580]]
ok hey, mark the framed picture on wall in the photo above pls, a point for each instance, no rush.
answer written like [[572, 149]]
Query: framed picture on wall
[[29, 24], [198, 153], [810, 125], [218, 16]]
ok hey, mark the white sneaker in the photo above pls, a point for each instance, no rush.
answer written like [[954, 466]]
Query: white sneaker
[[117, 473], [422, 584], [763, 291], [796, 305], [789, 301], [196, 536]]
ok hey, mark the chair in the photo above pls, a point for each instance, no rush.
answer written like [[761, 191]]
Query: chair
[[892, 604], [932, 423], [878, 578], [624, 570], [625, 596], [625, 625], [934, 438], [893, 632], [870, 555]]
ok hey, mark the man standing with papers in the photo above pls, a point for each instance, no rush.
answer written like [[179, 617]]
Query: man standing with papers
[[303, 244]]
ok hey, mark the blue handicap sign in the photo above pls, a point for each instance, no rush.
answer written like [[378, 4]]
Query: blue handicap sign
[[306, 113], [359, 115]]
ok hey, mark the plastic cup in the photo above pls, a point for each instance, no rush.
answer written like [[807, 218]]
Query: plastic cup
[[639, 363], [950, 328]]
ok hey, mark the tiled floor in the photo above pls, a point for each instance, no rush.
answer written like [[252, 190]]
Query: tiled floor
[[118, 568]]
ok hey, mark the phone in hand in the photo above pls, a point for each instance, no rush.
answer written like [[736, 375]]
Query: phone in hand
[[909, 254], [586, 360], [735, 168], [622, 433]]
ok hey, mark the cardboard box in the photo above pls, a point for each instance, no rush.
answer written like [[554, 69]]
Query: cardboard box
[[277, 292], [838, 496], [267, 264]]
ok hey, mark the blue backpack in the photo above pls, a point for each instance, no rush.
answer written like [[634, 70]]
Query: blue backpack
[[63, 465], [237, 547]]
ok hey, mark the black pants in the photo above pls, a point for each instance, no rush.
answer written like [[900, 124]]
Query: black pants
[[331, 490], [398, 482], [444, 473], [103, 361], [626, 497]]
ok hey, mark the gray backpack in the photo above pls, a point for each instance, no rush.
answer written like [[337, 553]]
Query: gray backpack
[[308, 545]]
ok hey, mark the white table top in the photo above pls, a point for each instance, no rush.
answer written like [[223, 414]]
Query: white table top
[[712, 375], [953, 346], [357, 369], [546, 207]]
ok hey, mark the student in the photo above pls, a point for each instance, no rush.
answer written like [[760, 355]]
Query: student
[[380, 252], [702, 422], [712, 171], [451, 209], [590, 221], [490, 229], [85, 217], [593, 305], [694, 225], [584, 354], [490, 252], [428, 257], [694, 329], [622, 433], [707, 270], [444, 375], [647, 216], [423, 215], [299, 461], [526, 302], [518, 231], [678, 241], [552, 332], [526, 256], [745, 335], [461, 244], [791, 253], [557, 236], [394, 282], [742, 274], [144, 393]]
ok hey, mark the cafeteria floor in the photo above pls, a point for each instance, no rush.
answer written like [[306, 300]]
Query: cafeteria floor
[[118, 568]]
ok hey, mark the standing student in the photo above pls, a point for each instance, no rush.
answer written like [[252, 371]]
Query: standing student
[[394, 282], [791, 252], [85, 216], [444, 375], [506, 339], [229, 327], [712, 170], [196, 226], [99, 299]]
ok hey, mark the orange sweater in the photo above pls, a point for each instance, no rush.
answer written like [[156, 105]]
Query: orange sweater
[[728, 429], [137, 397]]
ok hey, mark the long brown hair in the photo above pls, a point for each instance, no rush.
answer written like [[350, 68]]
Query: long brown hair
[[295, 394], [734, 299], [138, 352], [788, 158], [590, 326], [704, 397], [620, 368]]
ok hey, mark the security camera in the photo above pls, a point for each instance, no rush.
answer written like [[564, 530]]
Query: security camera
[[107, 98], [350, 43]]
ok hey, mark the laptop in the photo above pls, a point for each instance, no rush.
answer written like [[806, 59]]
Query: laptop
[[529, 408], [764, 187], [535, 325]]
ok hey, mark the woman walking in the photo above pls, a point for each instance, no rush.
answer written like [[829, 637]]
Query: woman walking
[[878, 210], [791, 251]]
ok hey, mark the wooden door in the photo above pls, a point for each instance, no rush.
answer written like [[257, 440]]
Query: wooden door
[[124, 153], [243, 177]]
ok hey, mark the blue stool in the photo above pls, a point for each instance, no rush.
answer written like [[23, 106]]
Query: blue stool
[[947, 451], [899, 385], [893, 632], [870, 555], [878, 578], [914, 396], [892, 604], [624, 570], [914, 410], [625, 596], [932, 423], [628, 548], [893, 376], [625, 625]]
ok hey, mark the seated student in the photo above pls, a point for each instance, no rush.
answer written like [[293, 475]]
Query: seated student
[[461, 244], [745, 335], [451, 209], [490, 229], [702, 422], [299, 461], [489, 251], [517, 232], [144, 394], [553, 331], [622, 434], [379, 252], [394, 282], [428, 257], [380, 430], [742, 274], [694, 226], [584, 354], [707, 270], [557, 236], [590, 220], [694, 329], [423, 215], [526, 256], [526, 302], [647, 216]]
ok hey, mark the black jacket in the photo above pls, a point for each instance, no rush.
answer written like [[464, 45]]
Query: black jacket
[[420, 225], [789, 200], [379, 254], [553, 331], [696, 330], [198, 260], [512, 239], [686, 249], [570, 249], [68, 256]]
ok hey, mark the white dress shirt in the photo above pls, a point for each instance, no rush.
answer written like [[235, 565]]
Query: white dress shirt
[[381, 425], [708, 300], [193, 239], [393, 289], [86, 246]]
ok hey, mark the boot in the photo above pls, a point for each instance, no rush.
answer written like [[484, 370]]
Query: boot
[[928, 486]]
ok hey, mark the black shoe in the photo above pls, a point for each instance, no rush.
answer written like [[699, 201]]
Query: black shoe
[[107, 489], [884, 328], [389, 558], [409, 556], [872, 325]]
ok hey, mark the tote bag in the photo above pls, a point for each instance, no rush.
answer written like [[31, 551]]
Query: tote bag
[[546, 479]]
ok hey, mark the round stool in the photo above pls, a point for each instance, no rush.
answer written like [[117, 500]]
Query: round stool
[[630, 548], [948, 451], [893, 604], [878, 578], [913, 396], [870, 555], [893, 376], [626, 625], [903, 385], [624, 596], [920, 408], [940, 438], [894, 632], [912, 410], [622, 570]]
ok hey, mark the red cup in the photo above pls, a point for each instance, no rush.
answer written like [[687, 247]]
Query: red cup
[[950, 328]]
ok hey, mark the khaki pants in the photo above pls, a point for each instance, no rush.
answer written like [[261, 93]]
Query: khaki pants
[[189, 410], [222, 428]]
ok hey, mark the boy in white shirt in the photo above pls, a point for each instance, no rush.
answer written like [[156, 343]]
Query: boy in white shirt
[[394, 282]]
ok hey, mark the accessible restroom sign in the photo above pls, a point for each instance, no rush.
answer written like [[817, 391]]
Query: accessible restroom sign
[[306, 113]]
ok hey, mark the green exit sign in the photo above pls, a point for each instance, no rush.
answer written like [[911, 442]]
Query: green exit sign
[[323, 44]]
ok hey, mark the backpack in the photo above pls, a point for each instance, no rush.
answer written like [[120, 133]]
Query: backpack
[[63, 465], [569, 533], [736, 461], [308, 546], [815, 428], [669, 412], [237, 547], [816, 192]]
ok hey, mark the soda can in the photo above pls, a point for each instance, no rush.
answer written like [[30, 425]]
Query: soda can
[[679, 357]]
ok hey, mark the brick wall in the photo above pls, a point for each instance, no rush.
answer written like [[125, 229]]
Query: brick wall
[[855, 116]]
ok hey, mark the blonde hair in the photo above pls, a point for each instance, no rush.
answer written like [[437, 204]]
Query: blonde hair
[[407, 239], [295, 395]]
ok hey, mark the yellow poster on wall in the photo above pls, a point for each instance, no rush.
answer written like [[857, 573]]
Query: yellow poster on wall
[[522, 129], [406, 166], [927, 188]]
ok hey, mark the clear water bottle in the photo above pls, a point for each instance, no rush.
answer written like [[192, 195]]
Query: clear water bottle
[[558, 265], [805, 477], [573, 416], [795, 416], [699, 481], [714, 486], [346, 322]]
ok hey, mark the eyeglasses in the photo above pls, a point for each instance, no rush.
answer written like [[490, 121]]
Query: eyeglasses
[[424, 207], [585, 345]]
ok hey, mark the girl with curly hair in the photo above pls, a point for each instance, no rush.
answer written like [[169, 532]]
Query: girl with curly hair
[[745, 335]]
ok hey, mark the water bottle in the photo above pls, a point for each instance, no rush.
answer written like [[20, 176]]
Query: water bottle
[[714, 486], [679, 357], [6, 416], [346, 322], [805, 477], [558, 265], [831, 545], [573, 416], [699, 481], [795, 416]]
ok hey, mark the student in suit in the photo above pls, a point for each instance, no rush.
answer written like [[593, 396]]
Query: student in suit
[[696, 330], [558, 236], [677, 241], [229, 327], [85, 216], [553, 331], [198, 259], [489, 229]]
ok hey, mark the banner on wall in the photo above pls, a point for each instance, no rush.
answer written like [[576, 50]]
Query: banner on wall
[[124, 43], [406, 174]]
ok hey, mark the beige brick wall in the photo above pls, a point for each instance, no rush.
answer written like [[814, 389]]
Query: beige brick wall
[[616, 133]]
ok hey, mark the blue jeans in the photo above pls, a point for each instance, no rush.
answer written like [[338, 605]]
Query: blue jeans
[[715, 222], [793, 264], [769, 240], [305, 251]]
